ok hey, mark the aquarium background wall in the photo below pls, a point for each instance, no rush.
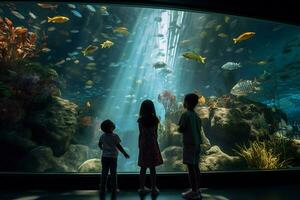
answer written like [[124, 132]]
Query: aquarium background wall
[[61, 76]]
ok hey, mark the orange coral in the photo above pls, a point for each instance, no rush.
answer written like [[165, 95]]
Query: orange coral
[[16, 43]]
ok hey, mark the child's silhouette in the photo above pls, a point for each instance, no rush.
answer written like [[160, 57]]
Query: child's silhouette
[[110, 144], [190, 127], [149, 153]]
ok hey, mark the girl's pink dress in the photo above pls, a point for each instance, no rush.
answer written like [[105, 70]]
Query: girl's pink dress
[[149, 153]]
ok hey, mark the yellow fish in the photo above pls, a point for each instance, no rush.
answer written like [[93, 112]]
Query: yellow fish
[[89, 50], [193, 56], [58, 19], [262, 62], [244, 36], [122, 30], [107, 44], [201, 100]]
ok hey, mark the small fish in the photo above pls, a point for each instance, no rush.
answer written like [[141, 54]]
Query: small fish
[[47, 6], [89, 84], [103, 11], [33, 16], [159, 65], [231, 66], [245, 87], [76, 61], [76, 13], [222, 35], [51, 28], [89, 50], [45, 50], [217, 28], [91, 8], [185, 42], [226, 19], [160, 35], [68, 59], [71, 5], [244, 36], [88, 104], [74, 31], [166, 71], [240, 50], [43, 22], [17, 14], [36, 27], [122, 30], [194, 56], [106, 44], [58, 19], [262, 62], [60, 62], [68, 40]]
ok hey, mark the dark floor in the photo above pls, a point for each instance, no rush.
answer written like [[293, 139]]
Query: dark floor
[[269, 193]]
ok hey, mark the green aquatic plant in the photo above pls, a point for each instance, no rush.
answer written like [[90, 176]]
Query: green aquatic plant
[[259, 156]]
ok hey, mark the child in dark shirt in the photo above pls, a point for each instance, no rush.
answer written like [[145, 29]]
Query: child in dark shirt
[[109, 143], [190, 127]]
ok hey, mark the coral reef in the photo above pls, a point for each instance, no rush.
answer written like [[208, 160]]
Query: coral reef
[[16, 43]]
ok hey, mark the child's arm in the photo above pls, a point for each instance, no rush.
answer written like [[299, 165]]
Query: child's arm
[[119, 146]]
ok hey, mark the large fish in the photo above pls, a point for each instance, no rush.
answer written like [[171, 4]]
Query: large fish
[[245, 87], [231, 66]]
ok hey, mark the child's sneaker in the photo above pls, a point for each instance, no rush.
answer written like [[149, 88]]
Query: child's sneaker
[[190, 194], [155, 191], [144, 190]]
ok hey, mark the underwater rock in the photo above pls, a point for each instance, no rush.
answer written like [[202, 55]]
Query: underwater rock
[[41, 159], [91, 166], [172, 157], [215, 160], [168, 135], [55, 125], [11, 112], [228, 128]]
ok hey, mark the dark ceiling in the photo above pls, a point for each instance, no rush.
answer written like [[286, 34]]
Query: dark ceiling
[[286, 11]]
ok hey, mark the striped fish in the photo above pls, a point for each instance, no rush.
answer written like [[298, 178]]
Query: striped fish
[[245, 87]]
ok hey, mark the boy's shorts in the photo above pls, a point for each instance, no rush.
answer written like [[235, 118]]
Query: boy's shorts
[[191, 155]]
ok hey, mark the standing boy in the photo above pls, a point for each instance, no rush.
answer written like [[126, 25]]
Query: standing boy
[[109, 143]]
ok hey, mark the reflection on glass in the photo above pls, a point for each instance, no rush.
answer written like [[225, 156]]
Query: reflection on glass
[[65, 67]]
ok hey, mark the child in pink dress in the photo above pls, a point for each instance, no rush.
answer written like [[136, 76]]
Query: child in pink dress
[[149, 153]]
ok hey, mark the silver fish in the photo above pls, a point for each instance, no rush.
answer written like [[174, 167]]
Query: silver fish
[[245, 87], [231, 66], [91, 8], [17, 14], [33, 16]]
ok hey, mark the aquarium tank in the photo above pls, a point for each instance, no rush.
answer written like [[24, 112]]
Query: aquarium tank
[[66, 67]]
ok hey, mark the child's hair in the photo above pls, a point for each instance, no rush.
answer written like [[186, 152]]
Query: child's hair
[[191, 101], [147, 114], [107, 126]]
